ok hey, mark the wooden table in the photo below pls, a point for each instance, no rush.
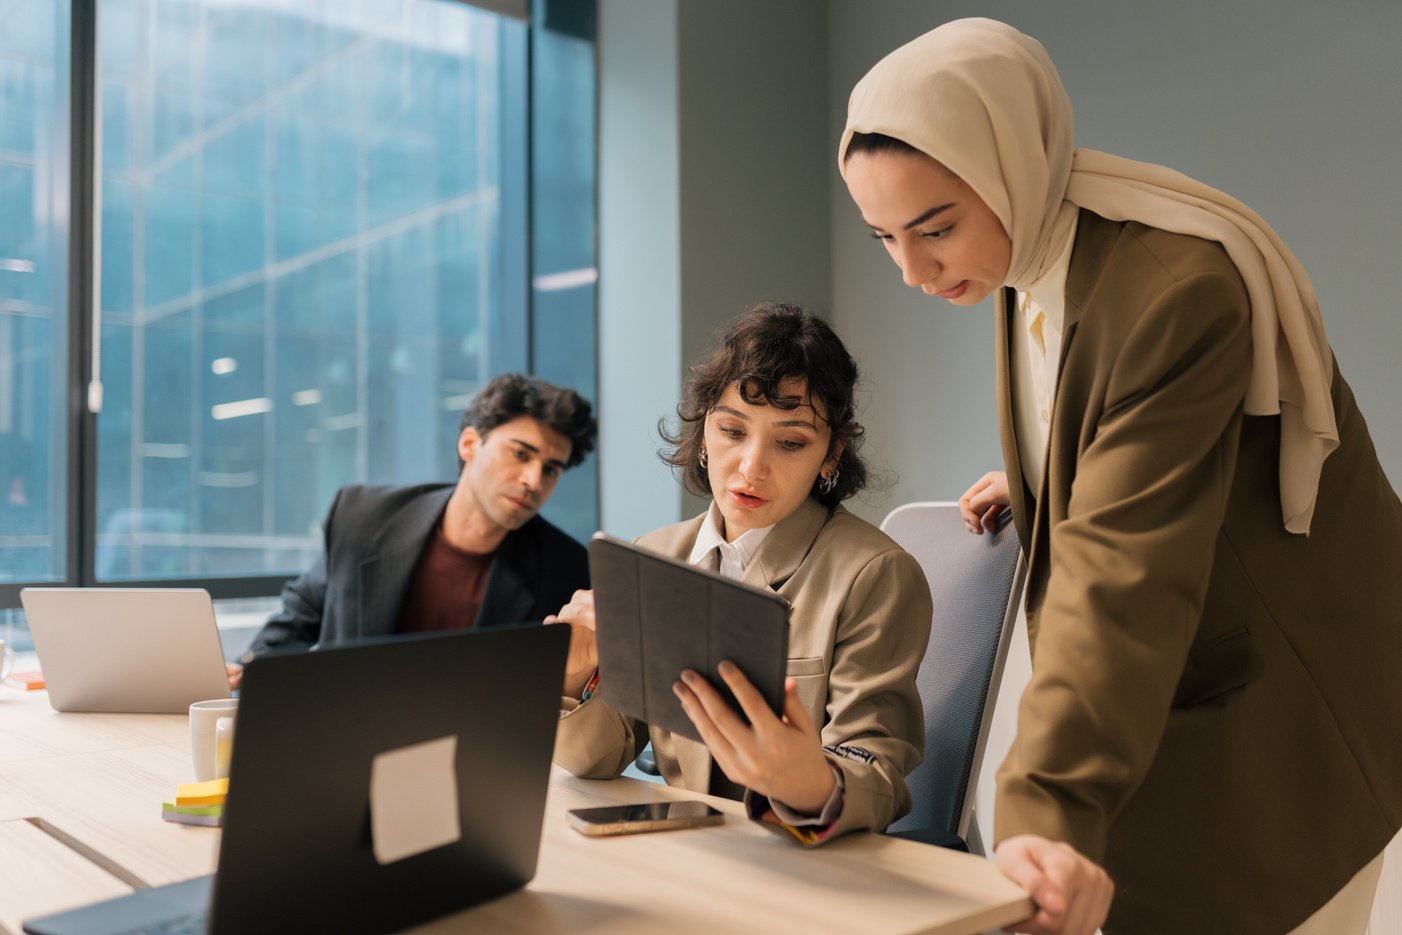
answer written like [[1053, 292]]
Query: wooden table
[[80, 802]]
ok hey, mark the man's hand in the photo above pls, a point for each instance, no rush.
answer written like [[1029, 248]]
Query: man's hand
[[984, 502], [1072, 893], [583, 657], [782, 759], [235, 672]]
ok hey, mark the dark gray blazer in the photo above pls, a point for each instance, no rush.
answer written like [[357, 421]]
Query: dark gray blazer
[[374, 536]]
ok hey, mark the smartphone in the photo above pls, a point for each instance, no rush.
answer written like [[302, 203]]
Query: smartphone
[[650, 816]]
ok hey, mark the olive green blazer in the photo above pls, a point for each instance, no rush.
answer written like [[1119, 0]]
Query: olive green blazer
[[1213, 706], [859, 624]]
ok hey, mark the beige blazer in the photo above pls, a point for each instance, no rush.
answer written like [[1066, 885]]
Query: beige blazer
[[1213, 707], [857, 631]]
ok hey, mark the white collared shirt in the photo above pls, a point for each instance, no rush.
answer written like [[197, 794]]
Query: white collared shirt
[[1035, 343], [734, 556]]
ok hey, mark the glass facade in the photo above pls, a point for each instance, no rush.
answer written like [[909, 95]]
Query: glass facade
[[33, 288], [315, 246], [300, 219]]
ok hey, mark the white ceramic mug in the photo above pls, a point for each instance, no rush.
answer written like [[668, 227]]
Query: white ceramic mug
[[7, 660], [204, 719]]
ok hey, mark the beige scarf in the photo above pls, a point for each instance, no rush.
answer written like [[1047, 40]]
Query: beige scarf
[[986, 101]]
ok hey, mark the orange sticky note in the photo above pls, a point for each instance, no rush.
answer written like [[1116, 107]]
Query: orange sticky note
[[26, 681]]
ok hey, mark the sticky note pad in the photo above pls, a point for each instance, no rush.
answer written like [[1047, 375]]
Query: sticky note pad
[[212, 792], [26, 681], [207, 815], [414, 799]]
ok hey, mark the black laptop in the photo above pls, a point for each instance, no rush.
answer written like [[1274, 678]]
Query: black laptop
[[298, 860]]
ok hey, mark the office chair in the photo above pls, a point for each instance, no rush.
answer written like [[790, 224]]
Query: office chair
[[976, 583]]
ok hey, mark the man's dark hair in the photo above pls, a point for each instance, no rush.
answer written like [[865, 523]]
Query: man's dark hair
[[765, 345], [558, 408]]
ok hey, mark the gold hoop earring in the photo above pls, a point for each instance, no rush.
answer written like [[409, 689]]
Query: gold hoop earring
[[827, 482], [701, 458]]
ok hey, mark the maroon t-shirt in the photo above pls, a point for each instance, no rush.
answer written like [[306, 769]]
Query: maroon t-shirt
[[446, 588]]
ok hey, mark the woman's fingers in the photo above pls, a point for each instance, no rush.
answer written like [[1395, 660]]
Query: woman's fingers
[[984, 502], [710, 701], [579, 611], [719, 743], [795, 713], [756, 708], [1072, 893]]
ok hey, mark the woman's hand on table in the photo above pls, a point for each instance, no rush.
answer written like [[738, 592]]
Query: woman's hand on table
[[1071, 891]]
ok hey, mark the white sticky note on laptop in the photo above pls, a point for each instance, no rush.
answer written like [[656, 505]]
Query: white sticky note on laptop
[[414, 799]]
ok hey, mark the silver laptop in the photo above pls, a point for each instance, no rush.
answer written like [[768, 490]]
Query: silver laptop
[[126, 650]]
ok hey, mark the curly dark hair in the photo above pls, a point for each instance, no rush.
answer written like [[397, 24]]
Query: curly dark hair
[[556, 407], [764, 346]]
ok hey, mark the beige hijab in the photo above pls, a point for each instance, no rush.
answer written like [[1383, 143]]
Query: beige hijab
[[986, 101]]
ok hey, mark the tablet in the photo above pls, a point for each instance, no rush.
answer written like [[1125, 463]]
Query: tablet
[[655, 616]]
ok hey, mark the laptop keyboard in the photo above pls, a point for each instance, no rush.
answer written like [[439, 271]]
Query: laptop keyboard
[[193, 924]]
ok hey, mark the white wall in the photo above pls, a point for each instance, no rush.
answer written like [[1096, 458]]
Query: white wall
[[1291, 106], [710, 200], [639, 260]]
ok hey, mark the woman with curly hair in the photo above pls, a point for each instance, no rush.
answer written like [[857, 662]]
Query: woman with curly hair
[[768, 431]]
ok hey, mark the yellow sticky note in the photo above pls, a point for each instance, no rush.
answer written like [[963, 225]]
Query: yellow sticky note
[[212, 792]]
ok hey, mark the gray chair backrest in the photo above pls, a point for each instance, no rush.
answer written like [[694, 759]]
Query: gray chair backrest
[[976, 583]]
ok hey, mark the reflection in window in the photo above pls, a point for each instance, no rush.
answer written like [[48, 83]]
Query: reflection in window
[[33, 317], [301, 218]]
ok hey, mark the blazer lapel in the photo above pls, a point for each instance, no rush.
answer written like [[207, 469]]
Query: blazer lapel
[[1012, 462], [1064, 433], [385, 573], [509, 597], [784, 549]]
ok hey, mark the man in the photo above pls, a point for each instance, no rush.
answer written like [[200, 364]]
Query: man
[[447, 556]]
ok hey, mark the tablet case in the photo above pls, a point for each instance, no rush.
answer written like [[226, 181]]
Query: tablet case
[[655, 616]]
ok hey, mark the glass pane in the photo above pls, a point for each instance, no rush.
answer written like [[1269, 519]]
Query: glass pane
[[33, 288], [564, 290], [301, 207]]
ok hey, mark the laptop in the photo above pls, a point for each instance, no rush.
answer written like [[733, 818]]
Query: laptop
[[126, 650], [302, 847]]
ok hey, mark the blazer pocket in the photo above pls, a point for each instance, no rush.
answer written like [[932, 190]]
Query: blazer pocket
[[1222, 665], [811, 684], [807, 665]]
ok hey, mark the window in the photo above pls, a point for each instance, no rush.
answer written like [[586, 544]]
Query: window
[[33, 291], [312, 226]]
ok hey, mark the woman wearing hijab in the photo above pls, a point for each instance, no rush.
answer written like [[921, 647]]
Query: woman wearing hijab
[[769, 432], [1214, 601]]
